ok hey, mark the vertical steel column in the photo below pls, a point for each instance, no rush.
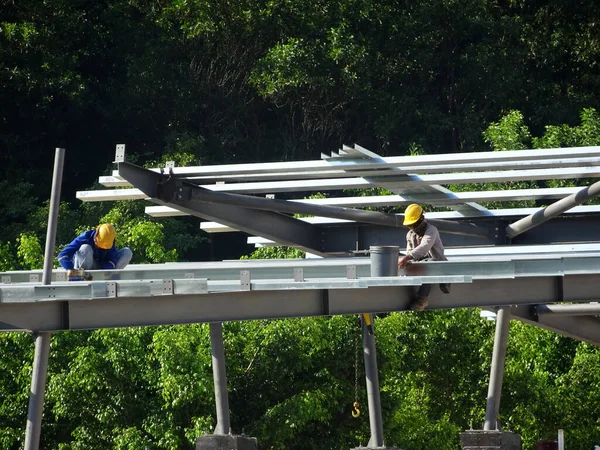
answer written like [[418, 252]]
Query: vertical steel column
[[42, 340], [492, 408], [219, 378], [384, 263], [372, 377]]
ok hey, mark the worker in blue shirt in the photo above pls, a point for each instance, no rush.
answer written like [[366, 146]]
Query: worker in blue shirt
[[94, 249]]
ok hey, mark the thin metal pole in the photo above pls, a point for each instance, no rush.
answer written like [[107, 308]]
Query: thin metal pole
[[492, 408], [555, 209], [42, 340], [219, 378], [561, 439], [372, 377]]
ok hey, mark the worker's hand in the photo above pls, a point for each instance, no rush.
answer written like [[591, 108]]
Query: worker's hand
[[403, 262], [70, 273]]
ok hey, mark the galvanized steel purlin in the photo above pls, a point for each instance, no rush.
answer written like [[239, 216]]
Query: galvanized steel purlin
[[568, 262], [272, 304], [451, 160], [267, 279]]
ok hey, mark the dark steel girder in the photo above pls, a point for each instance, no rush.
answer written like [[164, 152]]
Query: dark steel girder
[[194, 199], [281, 228]]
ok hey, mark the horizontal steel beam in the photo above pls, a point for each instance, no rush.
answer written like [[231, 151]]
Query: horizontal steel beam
[[585, 329], [55, 315], [118, 181], [270, 187], [397, 200], [450, 159]]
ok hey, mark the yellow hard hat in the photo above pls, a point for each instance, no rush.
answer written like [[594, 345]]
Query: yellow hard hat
[[105, 236], [412, 214]]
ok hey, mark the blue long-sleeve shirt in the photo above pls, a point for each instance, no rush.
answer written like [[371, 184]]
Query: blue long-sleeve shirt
[[106, 259]]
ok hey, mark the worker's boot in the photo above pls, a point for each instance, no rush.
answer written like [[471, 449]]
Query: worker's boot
[[419, 304], [445, 287]]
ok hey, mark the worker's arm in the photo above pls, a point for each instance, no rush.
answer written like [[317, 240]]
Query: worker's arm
[[65, 257], [427, 241]]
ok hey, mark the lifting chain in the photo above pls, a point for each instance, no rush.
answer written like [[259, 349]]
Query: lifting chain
[[355, 405]]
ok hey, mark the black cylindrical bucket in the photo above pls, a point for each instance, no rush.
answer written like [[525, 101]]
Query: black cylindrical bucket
[[384, 260]]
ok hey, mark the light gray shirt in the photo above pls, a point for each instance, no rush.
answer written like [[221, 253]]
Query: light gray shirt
[[427, 246]]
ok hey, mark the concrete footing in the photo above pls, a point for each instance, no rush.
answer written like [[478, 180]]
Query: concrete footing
[[489, 440], [226, 442]]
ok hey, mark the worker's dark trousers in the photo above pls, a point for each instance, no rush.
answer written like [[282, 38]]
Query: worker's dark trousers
[[425, 289]]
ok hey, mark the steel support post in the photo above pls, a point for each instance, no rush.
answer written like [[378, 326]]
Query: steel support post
[[372, 377], [384, 262], [42, 340], [220, 378], [492, 408]]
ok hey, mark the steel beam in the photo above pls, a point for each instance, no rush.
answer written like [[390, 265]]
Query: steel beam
[[245, 211], [283, 229], [545, 214], [125, 311], [396, 200], [411, 168], [450, 159], [390, 182]]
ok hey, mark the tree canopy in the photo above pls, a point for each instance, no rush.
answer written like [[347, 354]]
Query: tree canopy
[[261, 80]]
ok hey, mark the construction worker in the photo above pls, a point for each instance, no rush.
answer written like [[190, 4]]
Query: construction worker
[[423, 242], [94, 249]]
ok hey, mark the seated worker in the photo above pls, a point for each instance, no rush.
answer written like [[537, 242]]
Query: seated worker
[[94, 249], [423, 243]]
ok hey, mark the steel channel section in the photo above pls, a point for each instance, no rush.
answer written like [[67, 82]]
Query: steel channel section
[[268, 304], [450, 159], [377, 180], [569, 261], [391, 182]]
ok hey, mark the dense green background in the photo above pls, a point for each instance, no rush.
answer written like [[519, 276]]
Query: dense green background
[[212, 82]]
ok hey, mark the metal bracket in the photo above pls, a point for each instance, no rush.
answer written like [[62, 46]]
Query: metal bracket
[[168, 287], [188, 275], [170, 164], [245, 280], [111, 289], [120, 153], [351, 272], [298, 274], [5, 279], [45, 291], [34, 278], [61, 276]]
